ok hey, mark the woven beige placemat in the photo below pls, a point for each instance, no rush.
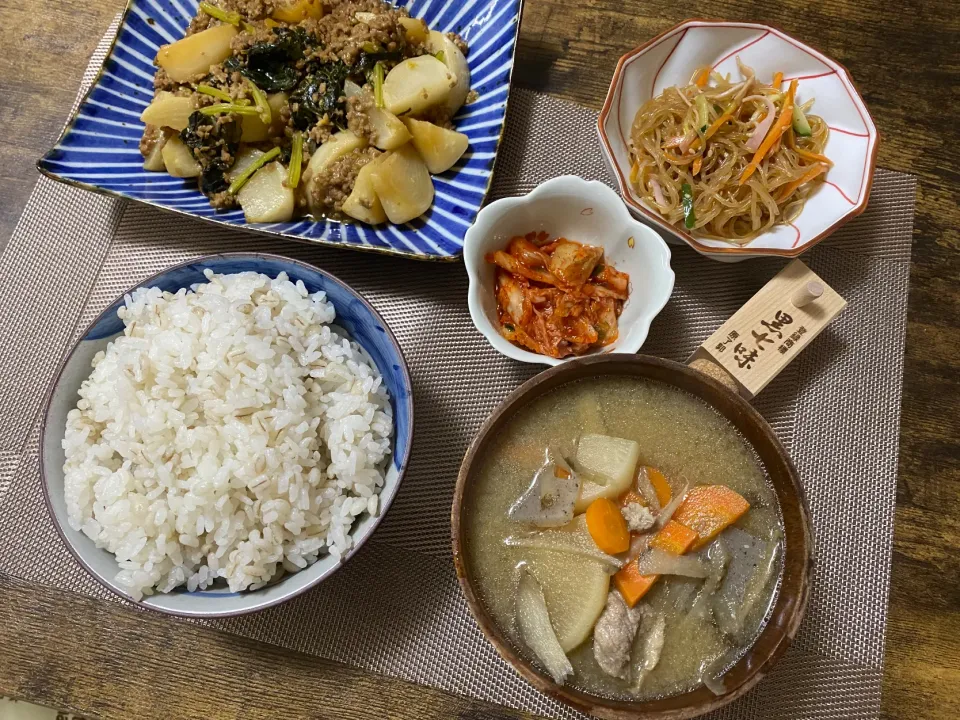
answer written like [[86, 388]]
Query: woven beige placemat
[[836, 409]]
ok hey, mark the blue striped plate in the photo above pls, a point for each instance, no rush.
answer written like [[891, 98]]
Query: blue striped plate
[[99, 149]]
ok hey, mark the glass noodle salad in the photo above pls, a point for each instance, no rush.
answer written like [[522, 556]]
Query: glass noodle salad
[[329, 108], [728, 160]]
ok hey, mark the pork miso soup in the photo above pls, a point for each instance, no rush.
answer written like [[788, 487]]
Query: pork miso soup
[[625, 538]]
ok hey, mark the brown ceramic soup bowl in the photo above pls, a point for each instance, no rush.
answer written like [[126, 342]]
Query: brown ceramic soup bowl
[[783, 619]]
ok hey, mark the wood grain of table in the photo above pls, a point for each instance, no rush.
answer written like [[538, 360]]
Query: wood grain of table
[[60, 649]]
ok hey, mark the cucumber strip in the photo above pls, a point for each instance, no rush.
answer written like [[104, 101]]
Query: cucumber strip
[[686, 199], [800, 125]]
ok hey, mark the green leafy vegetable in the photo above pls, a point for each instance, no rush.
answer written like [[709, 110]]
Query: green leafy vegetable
[[260, 99], [378, 75], [214, 92], [223, 108], [206, 137], [367, 61], [242, 178], [296, 161], [686, 199], [232, 18], [272, 64], [319, 94]]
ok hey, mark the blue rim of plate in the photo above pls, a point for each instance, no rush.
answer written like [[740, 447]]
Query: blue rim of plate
[[99, 147]]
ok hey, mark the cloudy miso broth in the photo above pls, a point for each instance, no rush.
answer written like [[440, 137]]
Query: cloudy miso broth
[[704, 622]]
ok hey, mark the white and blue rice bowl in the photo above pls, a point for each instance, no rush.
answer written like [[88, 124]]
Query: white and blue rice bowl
[[361, 322]]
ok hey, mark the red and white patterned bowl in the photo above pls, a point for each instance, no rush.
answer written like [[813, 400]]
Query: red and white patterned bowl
[[671, 58]]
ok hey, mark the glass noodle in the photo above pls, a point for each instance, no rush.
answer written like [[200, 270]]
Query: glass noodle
[[711, 158]]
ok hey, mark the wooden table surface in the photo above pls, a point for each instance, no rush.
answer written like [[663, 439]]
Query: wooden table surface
[[68, 651]]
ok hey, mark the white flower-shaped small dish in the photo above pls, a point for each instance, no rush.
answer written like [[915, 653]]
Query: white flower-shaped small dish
[[580, 210], [671, 58]]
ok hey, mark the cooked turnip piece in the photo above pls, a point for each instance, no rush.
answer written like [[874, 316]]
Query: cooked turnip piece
[[363, 203], [440, 148], [388, 131], [196, 54], [549, 500], [457, 65], [178, 159], [608, 457], [153, 160], [609, 464], [265, 197], [246, 156], [169, 110], [415, 29], [575, 588], [403, 184], [293, 12], [253, 129], [338, 145], [417, 84]]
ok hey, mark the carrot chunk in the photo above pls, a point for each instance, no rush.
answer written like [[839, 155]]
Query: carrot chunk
[[631, 584], [674, 538], [708, 510], [632, 496], [660, 485], [607, 526]]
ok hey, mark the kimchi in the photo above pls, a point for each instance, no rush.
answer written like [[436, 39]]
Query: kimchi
[[557, 297]]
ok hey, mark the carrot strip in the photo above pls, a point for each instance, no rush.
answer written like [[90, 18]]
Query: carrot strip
[[779, 127], [703, 77], [607, 526], [708, 510], [777, 79], [674, 538], [716, 124], [697, 164], [791, 141], [816, 157], [660, 485], [805, 178]]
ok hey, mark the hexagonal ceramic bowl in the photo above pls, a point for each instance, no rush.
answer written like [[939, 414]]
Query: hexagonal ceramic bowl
[[671, 58]]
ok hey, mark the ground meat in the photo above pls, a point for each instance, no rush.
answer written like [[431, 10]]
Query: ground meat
[[343, 37], [258, 33], [162, 81], [218, 141], [253, 9], [637, 516], [200, 22], [334, 184], [358, 119], [151, 136], [223, 200], [459, 42], [320, 132]]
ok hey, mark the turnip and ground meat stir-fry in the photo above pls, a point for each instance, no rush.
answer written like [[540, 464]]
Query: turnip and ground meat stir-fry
[[295, 107], [625, 538]]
